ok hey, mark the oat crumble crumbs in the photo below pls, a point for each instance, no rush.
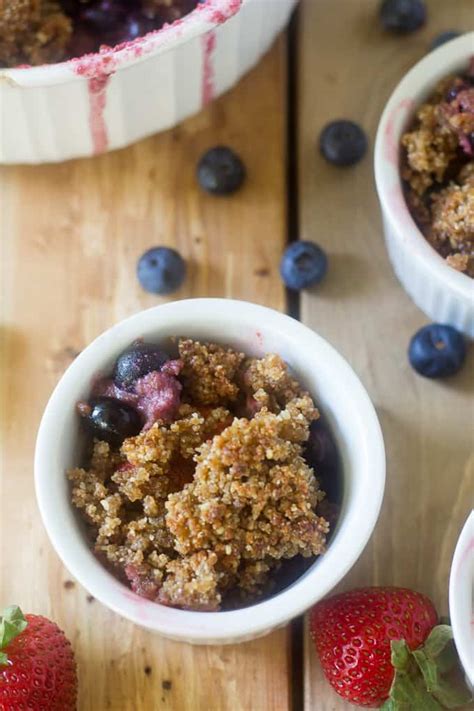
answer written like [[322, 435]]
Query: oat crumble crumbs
[[204, 508]]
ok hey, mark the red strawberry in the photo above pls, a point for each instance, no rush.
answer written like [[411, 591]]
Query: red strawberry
[[37, 667], [365, 639]]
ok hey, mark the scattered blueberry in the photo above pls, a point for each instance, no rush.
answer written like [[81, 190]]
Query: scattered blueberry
[[161, 270], [303, 264], [443, 37], [137, 361], [403, 15], [342, 143], [111, 420], [220, 171], [437, 351]]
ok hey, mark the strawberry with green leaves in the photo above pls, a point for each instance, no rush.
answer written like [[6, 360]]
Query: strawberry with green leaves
[[37, 667], [382, 647]]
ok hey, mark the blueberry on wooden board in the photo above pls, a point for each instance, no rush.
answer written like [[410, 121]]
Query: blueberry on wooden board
[[437, 350], [403, 16], [220, 171], [342, 143], [161, 270], [303, 264]]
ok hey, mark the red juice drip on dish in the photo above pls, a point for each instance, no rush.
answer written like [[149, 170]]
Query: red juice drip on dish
[[209, 45], [97, 88]]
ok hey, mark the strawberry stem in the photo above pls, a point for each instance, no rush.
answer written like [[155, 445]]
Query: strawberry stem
[[429, 678], [12, 623]]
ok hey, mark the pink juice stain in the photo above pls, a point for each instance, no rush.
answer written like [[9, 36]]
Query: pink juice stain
[[97, 87], [97, 69], [209, 45]]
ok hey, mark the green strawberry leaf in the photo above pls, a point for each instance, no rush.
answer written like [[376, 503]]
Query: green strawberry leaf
[[408, 690], [438, 662], [428, 679], [12, 623], [437, 641]]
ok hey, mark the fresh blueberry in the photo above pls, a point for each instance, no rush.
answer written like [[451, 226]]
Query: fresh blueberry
[[161, 270], [111, 420], [437, 350], [220, 171], [303, 264], [443, 37], [403, 15], [137, 361], [343, 143]]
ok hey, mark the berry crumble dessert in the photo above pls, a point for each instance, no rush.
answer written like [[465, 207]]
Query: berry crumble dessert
[[41, 31], [438, 170], [199, 487]]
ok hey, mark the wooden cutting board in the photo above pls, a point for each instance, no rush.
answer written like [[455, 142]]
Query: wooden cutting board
[[70, 236]]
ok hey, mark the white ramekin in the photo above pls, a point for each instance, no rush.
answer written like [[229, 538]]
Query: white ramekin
[[461, 597], [256, 330], [110, 99], [445, 295]]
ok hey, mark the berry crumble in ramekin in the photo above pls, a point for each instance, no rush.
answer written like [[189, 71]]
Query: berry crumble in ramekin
[[123, 92], [255, 427], [438, 169], [202, 474], [411, 151]]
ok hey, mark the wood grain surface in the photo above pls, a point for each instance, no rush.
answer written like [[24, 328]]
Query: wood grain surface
[[347, 69], [70, 237]]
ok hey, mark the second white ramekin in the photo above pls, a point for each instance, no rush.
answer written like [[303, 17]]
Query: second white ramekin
[[110, 99], [445, 295], [461, 597], [255, 330]]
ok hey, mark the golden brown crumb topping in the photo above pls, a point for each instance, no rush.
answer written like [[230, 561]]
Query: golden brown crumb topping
[[209, 371]]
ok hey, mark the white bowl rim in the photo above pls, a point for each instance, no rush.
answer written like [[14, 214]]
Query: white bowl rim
[[415, 85], [462, 628], [203, 19], [199, 626]]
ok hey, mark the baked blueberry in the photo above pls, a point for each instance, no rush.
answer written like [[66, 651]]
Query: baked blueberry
[[303, 264], [321, 454], [105, 16], [161, 270], [111, 420], [137, 361], [403, 15], [444, 37], [220, 171], [437, 350], [137, 25], [342, 143]]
